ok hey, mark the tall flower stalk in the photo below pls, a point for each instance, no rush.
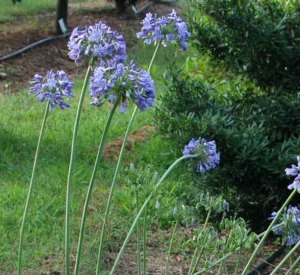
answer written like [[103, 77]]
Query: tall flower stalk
[[30, 190], [282, 262], [201, 150], [101, 46], [197, 254], [293, 266], [51, 88], [71, 164], [91, 184], [138, 237], [158, 31], [170, 247], [120, 158]]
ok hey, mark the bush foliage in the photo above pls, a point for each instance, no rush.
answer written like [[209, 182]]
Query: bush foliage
[[259, 38], [256, 133]]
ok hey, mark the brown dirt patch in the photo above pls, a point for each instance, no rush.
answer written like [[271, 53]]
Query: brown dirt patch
[[15, 73], [112, 149]]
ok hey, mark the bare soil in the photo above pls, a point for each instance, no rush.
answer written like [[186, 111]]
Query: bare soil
[[16, 73]]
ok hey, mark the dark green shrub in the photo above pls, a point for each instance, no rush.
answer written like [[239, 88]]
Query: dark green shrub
[[257, 134], [260, 38]]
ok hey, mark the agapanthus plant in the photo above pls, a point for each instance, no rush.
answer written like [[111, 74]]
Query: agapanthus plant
[[100, 46], [165, 29], [289, 225], [53, 87], [194, 150], [98, 42], [128, 83]]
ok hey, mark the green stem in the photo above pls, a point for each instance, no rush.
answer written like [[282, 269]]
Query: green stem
[[91, 184], [226, 246], [113, 184], [170, 247], [153, 57], [109, 200], [268, 231], [295, 263], [30, 190], [68, 188], [239, 258], [193, 265], [285, 258], [138, 235], [143, 208], [145, 243]]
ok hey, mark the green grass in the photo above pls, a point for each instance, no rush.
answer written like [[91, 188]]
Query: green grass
[[10, 11]]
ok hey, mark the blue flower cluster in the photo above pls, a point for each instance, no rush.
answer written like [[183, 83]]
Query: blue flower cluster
[[289, 226], [143, 89], [170, 28], [125, 82], [294, 172], [111, 79], [207, 151], [97, 41], [53, 87]]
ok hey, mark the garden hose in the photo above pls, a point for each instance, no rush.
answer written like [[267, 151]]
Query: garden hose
[[262, 266], [33, 45]]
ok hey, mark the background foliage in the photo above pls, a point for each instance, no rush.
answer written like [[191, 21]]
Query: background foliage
[[258, 38]]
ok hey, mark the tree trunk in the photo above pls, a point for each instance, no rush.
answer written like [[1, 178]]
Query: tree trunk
[[61, 13]]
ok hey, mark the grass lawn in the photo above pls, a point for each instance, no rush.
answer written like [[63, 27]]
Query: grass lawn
[[10, 11]]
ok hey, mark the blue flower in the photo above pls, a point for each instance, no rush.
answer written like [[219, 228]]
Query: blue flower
[[294, 172], [143, 89], [97, 41], [126, 82], [209, 158], [170, 28], [53, 87], [289, 225]]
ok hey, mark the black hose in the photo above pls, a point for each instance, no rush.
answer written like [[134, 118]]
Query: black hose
[[261, 267], [33, 45]]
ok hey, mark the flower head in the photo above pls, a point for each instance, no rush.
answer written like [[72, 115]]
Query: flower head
[[170, 28], [209, 158], [97, 41], [142, 87], [294, 172], [126, 82], [289, 225], [53, 87]]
